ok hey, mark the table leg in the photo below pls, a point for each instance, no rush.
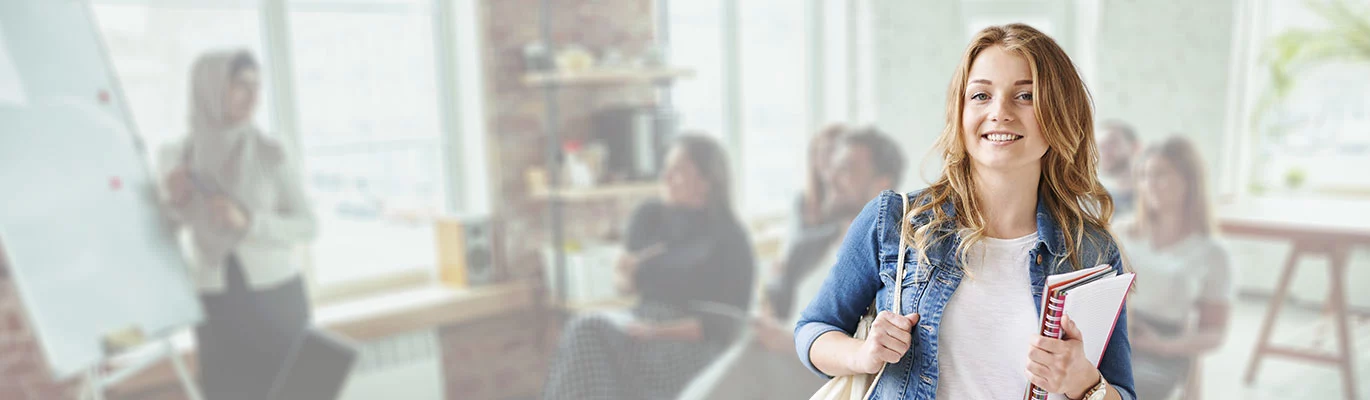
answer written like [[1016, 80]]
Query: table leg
[[1337, 302], [1273, 310]]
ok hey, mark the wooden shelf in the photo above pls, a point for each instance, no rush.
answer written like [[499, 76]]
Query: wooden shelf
[[618, 76], [605, 192], [426, 307]]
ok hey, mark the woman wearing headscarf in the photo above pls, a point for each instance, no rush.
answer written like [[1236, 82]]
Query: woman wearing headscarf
[[238, 193]]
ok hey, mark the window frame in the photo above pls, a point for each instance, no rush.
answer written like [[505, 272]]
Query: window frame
[[456, 49], [859, 104], [1247, 83]]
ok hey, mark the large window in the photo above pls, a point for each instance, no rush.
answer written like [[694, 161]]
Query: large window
[[697, 43], [1307, 127], [774, 114], [368, 120], [359, 94], [769, 73], [153, 48]]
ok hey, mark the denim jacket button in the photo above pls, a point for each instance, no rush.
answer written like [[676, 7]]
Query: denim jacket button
[[926, 379]]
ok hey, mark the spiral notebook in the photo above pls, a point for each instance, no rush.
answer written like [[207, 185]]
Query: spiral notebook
[[1094, 299]]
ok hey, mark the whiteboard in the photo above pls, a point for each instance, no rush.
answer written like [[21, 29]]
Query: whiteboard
[[88, 247]]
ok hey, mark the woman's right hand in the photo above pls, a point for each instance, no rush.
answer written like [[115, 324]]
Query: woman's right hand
[[886, 342], [625, 270], [178, 186]]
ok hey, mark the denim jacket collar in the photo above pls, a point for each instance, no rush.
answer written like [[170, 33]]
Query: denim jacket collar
[[943, 252], [1047, 230]]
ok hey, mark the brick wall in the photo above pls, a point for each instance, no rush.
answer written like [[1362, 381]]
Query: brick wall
[[505, 358], [515, 111], [23, 372], [497, 358]]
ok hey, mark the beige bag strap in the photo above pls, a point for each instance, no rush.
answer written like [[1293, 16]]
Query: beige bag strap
[[903, 245], [898, 283]]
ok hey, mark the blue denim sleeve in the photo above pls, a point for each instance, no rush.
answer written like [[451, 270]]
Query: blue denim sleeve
[[1116, 363], [850, 286]]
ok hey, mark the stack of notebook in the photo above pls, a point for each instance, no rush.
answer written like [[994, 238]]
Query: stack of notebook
[[1094, 299]]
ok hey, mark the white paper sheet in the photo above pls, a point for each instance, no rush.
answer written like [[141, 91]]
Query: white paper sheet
[[11, 87]]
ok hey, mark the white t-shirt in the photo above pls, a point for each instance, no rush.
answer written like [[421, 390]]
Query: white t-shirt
[[1173, 281], [988, 326]]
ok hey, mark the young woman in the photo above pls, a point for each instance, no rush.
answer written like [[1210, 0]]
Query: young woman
[[1183, 300], [238, 192], [1018, 199], [814, 224], [685, 256]]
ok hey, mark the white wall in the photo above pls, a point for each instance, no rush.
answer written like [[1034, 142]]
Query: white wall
[[1162, 66], [916, 45]]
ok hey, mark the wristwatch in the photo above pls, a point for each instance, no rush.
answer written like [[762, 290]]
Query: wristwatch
[[1098, 392]]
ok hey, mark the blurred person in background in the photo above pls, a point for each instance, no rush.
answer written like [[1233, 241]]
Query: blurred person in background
[[866, 161], [1118, 148], [813, 224], [809, 207], [238, 192], [1183, 299], [689, 260]]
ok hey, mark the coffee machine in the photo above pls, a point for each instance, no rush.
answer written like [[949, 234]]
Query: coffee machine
[[635, 139]]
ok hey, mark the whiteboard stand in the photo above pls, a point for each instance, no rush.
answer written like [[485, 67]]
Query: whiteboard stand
[[97, 380]]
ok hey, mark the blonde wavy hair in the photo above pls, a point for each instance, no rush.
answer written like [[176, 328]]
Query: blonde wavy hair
[[1069, 185]]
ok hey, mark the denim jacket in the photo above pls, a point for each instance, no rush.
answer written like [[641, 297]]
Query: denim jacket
[[865, 270]]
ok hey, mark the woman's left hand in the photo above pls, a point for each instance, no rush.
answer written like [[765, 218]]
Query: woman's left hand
[[640, 330], [226, 213], [1144, 338], [771, 335], [1059, 365], [687, 330]]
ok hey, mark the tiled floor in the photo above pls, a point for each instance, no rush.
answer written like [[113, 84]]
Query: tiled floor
[[1281, 378]]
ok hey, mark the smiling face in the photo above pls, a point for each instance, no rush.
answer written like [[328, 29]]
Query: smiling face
[[999, 120]]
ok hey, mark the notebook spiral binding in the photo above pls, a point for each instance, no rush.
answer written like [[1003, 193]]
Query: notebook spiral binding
[[1055, 307]]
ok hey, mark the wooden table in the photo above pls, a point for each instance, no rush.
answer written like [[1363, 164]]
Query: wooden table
[[1314, 227]]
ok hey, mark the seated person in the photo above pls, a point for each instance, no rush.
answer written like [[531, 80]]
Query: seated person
[[1118, 148], [865, 163], [686, 256], [1183, 299]]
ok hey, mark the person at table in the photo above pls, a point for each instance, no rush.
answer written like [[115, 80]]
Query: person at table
[[687, 256], [1183, 298]]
